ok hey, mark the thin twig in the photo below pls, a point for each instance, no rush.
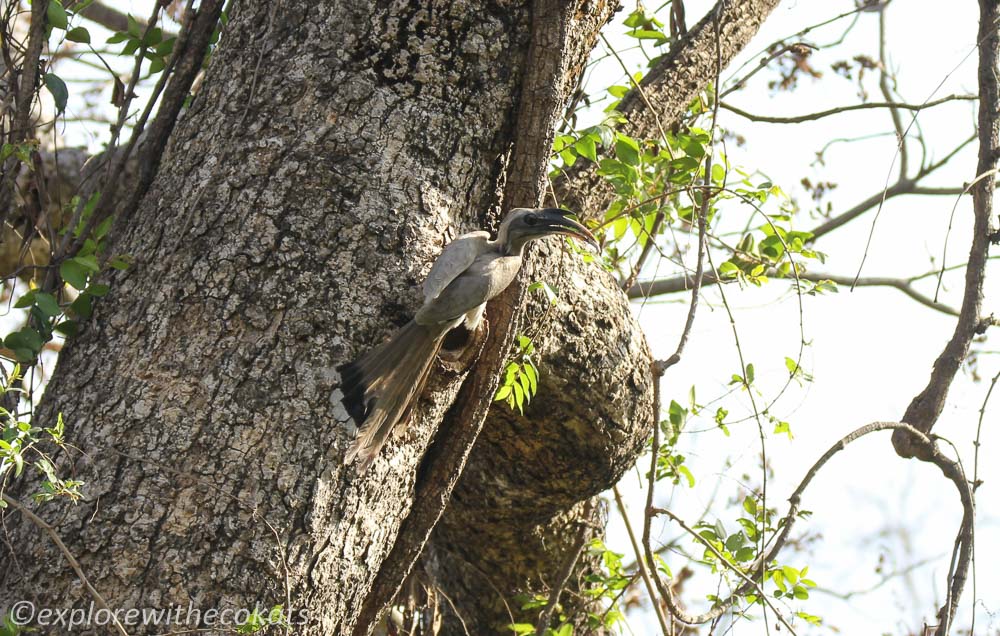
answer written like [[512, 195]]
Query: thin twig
[[725, 563], [796, 119], [73, 563], [640, 561]]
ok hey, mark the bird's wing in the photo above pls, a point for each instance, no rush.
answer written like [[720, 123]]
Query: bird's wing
[[455, 259]]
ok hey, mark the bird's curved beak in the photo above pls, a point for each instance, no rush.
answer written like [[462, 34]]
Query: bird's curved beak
[[557, 221]]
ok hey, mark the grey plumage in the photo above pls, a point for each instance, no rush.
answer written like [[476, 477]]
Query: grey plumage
[[381, 387]]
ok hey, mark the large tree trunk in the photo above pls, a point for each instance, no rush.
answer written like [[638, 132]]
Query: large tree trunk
[[332, 150]]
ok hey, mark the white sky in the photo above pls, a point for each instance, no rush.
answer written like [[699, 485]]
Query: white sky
[[870, 350]]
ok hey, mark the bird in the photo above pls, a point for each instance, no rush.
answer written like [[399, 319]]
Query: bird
[[380, 388]]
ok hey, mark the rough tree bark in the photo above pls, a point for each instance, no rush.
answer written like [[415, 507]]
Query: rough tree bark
[[332, 150]]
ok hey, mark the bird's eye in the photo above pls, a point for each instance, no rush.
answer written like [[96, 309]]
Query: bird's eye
[[531, 219]]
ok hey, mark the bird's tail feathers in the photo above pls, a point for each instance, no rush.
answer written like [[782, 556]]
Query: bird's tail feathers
[[380, 387]]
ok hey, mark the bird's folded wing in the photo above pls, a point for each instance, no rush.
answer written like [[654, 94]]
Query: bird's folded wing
[[455, 259]]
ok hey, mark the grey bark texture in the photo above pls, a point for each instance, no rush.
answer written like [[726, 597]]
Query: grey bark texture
[[332, 150]]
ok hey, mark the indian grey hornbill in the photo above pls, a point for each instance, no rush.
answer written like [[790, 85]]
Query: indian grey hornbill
[[381, 386]]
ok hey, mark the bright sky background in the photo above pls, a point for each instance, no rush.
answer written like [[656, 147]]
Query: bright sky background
[[871, 350]]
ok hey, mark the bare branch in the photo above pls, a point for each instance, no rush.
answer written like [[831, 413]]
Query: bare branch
[[677, 284], [883, 84], [925, 408], [640, 561], [842, 109], [108, 17], [902, 186], [186, 62]]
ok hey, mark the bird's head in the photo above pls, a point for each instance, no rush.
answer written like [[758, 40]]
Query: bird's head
[[526, 224]]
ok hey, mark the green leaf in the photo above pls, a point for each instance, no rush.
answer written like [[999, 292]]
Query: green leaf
[[47, 303], [586, 148], [783, 427], [618, 91], [89, 262], [120, 263], [532, 375], [647, 34], [56, 15], [545, 287], [735, 541], [728, 269], [790, 573], [526, 385], [83, 306], [683, 470], [809, 618], [791, 365], [78, 34], [152, 38], [57, 87], [635, 19], [627, 150], [120, 36], [26, 338], [25, 301], [74, 274], [103, 227], [68, 328], [502, 393], [718, 174], [134, 28], [165, 47]]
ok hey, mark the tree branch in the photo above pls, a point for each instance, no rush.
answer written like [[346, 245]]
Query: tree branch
[[842, 109], [108, 17], [73, 563], [24, 97], [640, 562], [924, 410], [902, 186], [678, 284], [186, 63]]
